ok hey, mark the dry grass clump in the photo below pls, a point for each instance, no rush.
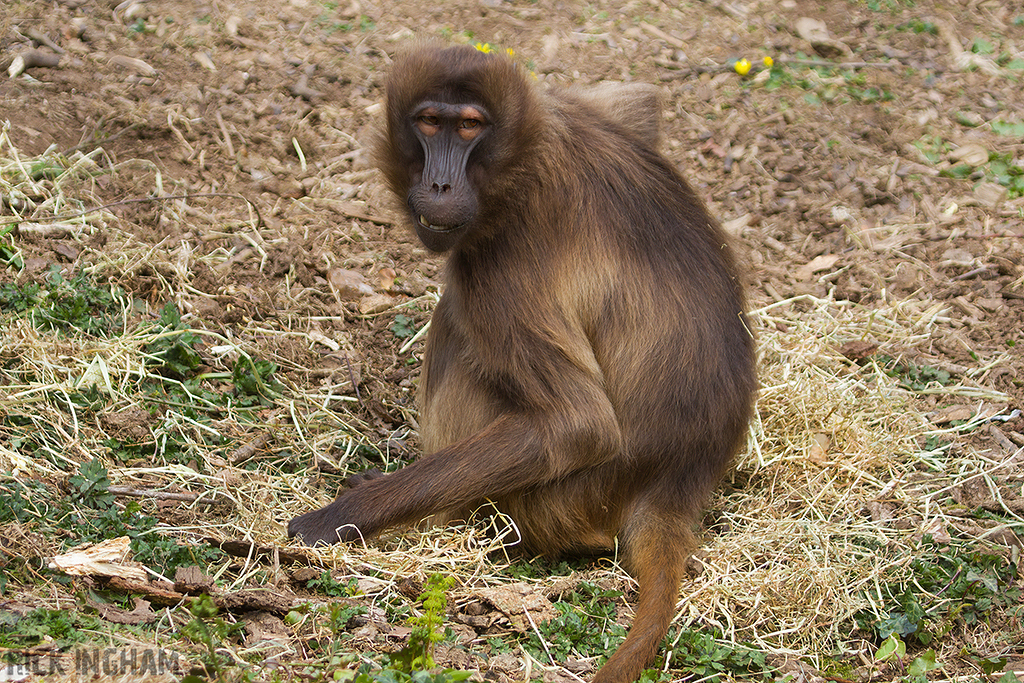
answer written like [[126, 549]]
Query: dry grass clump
[[800, 546], [798, 551]]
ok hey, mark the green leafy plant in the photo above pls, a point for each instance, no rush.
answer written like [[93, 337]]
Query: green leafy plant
[[9, 254], [165, 554], [63, 627], [921, 26], [76, 305], [173, 351], [708, 657], [209, 630], [912, 376], [15, 299], [893, 649], [23, 502], [539, 567], [79, 304], [418, 654], [328, 586], [89, 486], [585, 626], [946, 584], [254, 380], [403, 327], [1004, 170], [365, 674], [1013, 130]]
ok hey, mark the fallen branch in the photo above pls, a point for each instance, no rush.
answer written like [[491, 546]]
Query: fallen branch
[[30, 59], [249, 448], [263, 554], [43, 39]]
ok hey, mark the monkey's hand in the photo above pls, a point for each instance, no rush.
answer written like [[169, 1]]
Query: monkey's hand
[[334, 522], [325, 526]]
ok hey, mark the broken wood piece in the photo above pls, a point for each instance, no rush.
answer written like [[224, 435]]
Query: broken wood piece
[[237, 258], [109, 558], [137, 65], [263, 554], [250, 448], [192, 580], [30, 59], [516, 601], [301, 89], [142, 614], [43, 39]]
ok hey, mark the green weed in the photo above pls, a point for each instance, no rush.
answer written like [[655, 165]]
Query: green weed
[[411, 664], [88, 515], [173, 351], [403, 327], [330, 587], [585, 626], [9, 254], [891, 6], [79, 305], [920, 26], [60, 627], [211, 631], [947, 585], [1003, 169], [707, 657], [912, 376], [894, 650], [89, 486], [823, 84], [365, 674], [254, 381], [418, 654]]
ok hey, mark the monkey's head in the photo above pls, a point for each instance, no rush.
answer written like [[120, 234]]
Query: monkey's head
[[456, 119]]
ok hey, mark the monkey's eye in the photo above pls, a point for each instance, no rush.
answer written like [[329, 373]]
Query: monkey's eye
[[428, 124], [469, 123]]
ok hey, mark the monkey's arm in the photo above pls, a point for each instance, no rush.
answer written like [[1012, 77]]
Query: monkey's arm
[[514, 452]]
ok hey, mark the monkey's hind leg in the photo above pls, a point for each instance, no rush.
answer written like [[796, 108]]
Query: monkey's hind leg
[[656, 551]]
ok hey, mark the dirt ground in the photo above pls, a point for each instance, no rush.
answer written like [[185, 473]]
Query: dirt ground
[[835, 195], [889, 182]]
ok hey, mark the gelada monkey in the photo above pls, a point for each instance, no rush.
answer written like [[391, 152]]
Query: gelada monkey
[[588, 367]]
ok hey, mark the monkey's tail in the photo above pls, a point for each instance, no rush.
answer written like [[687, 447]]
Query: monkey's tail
[[657, 556]]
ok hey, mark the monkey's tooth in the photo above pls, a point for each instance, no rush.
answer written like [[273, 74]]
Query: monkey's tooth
[[427, 224]]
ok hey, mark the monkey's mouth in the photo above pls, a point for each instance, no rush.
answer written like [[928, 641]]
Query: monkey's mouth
[[424, 223]]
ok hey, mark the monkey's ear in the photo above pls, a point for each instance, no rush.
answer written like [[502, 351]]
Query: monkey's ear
[[635, 106]]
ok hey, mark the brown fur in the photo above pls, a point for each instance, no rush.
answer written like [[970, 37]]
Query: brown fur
[[588, 367]]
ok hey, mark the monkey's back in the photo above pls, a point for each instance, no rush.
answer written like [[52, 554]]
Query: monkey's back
[[634, 283]]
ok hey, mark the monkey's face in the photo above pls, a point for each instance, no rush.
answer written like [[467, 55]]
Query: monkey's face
[[442, 199]]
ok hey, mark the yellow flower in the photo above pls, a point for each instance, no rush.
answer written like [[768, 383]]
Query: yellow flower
[[510, 52], [768, 61], [483, 47], [742, 67]]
